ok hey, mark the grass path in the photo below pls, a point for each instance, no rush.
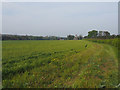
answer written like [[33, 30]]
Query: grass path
[[67, 64], [100, 71]]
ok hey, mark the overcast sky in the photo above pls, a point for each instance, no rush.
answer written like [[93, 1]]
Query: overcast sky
[[59, 19]]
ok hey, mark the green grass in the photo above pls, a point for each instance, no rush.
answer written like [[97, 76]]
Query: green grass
[[58, 64], [114, 42]]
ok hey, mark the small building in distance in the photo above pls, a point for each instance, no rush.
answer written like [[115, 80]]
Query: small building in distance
[[61, 39]]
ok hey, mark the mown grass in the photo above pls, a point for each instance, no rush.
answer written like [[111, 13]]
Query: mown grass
[[59, 64]]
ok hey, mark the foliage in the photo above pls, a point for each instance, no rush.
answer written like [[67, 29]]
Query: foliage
[[101, 35], [26, 37], [70, 37], [92, 34]]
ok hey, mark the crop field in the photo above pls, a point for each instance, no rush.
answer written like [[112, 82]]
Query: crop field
[[59, 64]]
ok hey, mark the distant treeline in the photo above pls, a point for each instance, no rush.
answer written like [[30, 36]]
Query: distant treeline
[[26, 37], [91, 34], [101, 35], [94, 34]]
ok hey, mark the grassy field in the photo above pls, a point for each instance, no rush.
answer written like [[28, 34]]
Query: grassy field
[[57, 64]]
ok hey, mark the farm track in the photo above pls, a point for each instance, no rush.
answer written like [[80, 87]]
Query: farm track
[[100, 70], [94, 66]]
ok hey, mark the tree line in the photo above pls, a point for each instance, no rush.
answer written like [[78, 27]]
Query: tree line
[[91, 34], [94, 34], [101, 35], [26, 37]]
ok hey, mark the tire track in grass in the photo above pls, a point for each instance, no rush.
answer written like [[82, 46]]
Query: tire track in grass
[[80, 61], [99, 72], [80, 77], [110, 67]]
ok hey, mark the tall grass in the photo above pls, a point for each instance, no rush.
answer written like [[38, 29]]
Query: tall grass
[[114, 42]]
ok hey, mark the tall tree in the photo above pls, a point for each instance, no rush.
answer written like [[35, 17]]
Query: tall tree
[[92, 34], [106, 34], [70, 37]]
